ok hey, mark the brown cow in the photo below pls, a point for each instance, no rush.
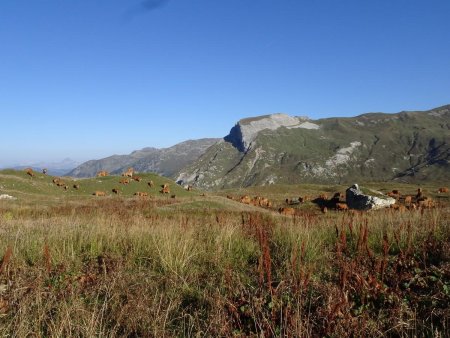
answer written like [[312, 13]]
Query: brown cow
[[287, 211], [408, 199], [398, 207], [264, 202], [140, 194], [246, 199], [150, 184], [189, 188], [30, 172], [173, 196], [323, 197], [124, 181], [99, 193], [443, 190], [426, 203], [137, 178], [115, 191], [165, 189], [56, 180], [341, 206], [76, 186], [129, 172], [102, 173], [393, 194], [60, 183]]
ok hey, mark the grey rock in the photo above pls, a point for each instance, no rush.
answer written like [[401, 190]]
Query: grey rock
[[356, 199]]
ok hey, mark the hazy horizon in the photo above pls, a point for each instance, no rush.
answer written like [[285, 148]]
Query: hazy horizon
[[88, 79]]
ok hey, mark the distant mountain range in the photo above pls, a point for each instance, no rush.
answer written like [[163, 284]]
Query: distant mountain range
[[278, 148], [166, 161], [54, 168]]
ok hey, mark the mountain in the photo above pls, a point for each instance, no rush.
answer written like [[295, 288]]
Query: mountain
[[53, 168], [278, 148], [166, 161]]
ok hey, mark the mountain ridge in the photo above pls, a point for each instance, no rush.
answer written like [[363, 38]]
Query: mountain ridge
[[164, 161], [409, 145]]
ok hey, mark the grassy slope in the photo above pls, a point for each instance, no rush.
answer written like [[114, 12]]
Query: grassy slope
[[19, 184], [210, 266]]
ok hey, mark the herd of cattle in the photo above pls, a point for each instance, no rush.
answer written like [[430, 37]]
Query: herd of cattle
[[128, 177], [337, 202]]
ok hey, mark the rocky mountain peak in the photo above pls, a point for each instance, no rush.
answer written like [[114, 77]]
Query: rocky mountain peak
[[246, 130]]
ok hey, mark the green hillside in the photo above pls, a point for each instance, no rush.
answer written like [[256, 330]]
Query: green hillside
[[20, 185], [404, 147]]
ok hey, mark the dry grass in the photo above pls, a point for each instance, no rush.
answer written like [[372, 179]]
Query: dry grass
[[147, 268]]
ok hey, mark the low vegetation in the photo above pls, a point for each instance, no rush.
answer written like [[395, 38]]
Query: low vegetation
[[208, 265]]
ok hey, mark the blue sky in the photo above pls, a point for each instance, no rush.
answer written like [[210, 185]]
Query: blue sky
[[90, 78]]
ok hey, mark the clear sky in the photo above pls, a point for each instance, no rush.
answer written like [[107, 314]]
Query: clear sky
[[90, 78]]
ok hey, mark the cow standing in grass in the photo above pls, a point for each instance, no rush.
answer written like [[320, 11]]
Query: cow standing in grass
[[30, 172]]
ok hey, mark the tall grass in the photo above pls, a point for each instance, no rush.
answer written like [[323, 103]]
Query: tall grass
[[129, 268]]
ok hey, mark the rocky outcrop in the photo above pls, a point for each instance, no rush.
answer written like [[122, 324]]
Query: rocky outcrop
[[246, 130], [356, 199]]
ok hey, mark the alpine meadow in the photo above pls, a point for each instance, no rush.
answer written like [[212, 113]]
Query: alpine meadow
[[265, 168]]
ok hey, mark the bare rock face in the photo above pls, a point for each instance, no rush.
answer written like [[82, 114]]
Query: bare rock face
[[356, 199], [246, 130]]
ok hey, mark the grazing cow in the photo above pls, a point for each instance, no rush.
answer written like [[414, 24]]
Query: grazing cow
[[137, 178], [173, 196], [293, 201], [150, 184], [264, 202], [44, 171], [396, 192], [189, 188], [443, 190], [341, 206], [56, 180], [165, 189], [419, 194], [124, 181], [398, 207], [287, 211], [323, 197], [408, 199], [339, 196], [60, 183], [115, 191], [426, 203], [246, 199], [102, 173], [393, 194], [140, 194], [99, 193], [30, 172], [129, 173], [76, 186], [66, 187]]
